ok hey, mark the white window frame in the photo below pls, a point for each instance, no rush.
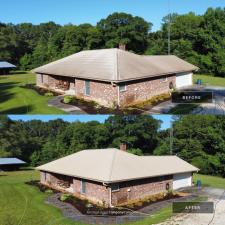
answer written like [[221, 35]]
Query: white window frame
[[123, 85], [116, 189]]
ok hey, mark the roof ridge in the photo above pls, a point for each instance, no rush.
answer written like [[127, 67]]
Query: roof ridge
[[116, 69], [112, 164]]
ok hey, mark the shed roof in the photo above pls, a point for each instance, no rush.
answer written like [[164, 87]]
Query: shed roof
[[6, 65], [115, 65], [10, 161], [113, 165]]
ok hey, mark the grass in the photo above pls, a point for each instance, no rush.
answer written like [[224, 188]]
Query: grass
[[183, 109], [215, 182], [16, 99], [215, 81], [23, 204]]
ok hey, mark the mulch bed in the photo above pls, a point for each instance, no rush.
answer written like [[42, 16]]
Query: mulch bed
[[71, 212]]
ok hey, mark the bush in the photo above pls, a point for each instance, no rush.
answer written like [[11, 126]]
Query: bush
[[49, 94], [65, 197], [68, 99], [49, 191]]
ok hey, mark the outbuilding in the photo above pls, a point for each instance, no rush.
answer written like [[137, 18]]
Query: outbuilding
[[112, 177], [115, 76], [7, 164], [5, 67]]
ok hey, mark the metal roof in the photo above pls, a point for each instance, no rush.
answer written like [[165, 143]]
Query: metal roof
[[113, 165], [115, 65], [8, 161], [6, 65]]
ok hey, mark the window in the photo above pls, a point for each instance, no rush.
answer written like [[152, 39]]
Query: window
[[87, 87], [115, 187], [122, 87], [83, 187], [42, 78], [44, 176]]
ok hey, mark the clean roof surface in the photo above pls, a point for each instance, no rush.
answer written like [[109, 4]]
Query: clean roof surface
[[115, 65], [8, 161], [113, 165]]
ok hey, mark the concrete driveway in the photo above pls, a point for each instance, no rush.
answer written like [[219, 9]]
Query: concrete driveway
[[215, 108], [218, 218]]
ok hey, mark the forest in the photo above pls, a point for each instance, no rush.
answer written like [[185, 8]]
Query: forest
[[198, 139], [199, 39]]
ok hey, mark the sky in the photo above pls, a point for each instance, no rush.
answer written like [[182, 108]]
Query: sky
[[166, 119], [91, 11]]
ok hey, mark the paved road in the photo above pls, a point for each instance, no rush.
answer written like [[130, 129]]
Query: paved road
[[218, 218]]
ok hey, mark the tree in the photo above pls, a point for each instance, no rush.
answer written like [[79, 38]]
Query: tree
[[122, 28]]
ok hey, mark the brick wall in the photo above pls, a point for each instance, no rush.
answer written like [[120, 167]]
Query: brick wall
[[145, 89], [95, 191], [138, 189], [106, 94], [39, 80], [101, 92]]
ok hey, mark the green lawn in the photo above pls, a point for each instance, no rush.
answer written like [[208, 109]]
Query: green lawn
[[183, 109], [216, 81], [216, 182], [16, 99], [23, 204]]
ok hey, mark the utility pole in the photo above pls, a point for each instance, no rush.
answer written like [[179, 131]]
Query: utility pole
[[171, 138], [169, 29]]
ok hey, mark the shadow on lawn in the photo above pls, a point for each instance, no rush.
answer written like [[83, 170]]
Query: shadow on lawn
[[5, 94], [18, 110]]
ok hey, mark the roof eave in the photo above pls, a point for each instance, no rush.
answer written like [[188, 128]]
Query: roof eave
[[116, 181], [117, 81]]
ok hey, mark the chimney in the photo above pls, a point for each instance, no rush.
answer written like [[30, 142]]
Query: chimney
[[122, 47], [123, 147]]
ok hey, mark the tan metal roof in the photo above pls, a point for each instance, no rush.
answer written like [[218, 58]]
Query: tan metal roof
[[115, 65], [113, 165]]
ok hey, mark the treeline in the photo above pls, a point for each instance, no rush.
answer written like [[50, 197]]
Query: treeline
[[197, 39], [199, 140]]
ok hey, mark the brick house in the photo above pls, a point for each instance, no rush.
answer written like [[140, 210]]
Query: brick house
[[118, 178], [115, 76]]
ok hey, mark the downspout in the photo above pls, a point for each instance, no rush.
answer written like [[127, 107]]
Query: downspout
[[118, 95], [110, 198], [110, 195]]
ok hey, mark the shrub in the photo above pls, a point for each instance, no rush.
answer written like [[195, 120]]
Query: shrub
[[49, 191], [68, 99], [49, 94], [65, 197]]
